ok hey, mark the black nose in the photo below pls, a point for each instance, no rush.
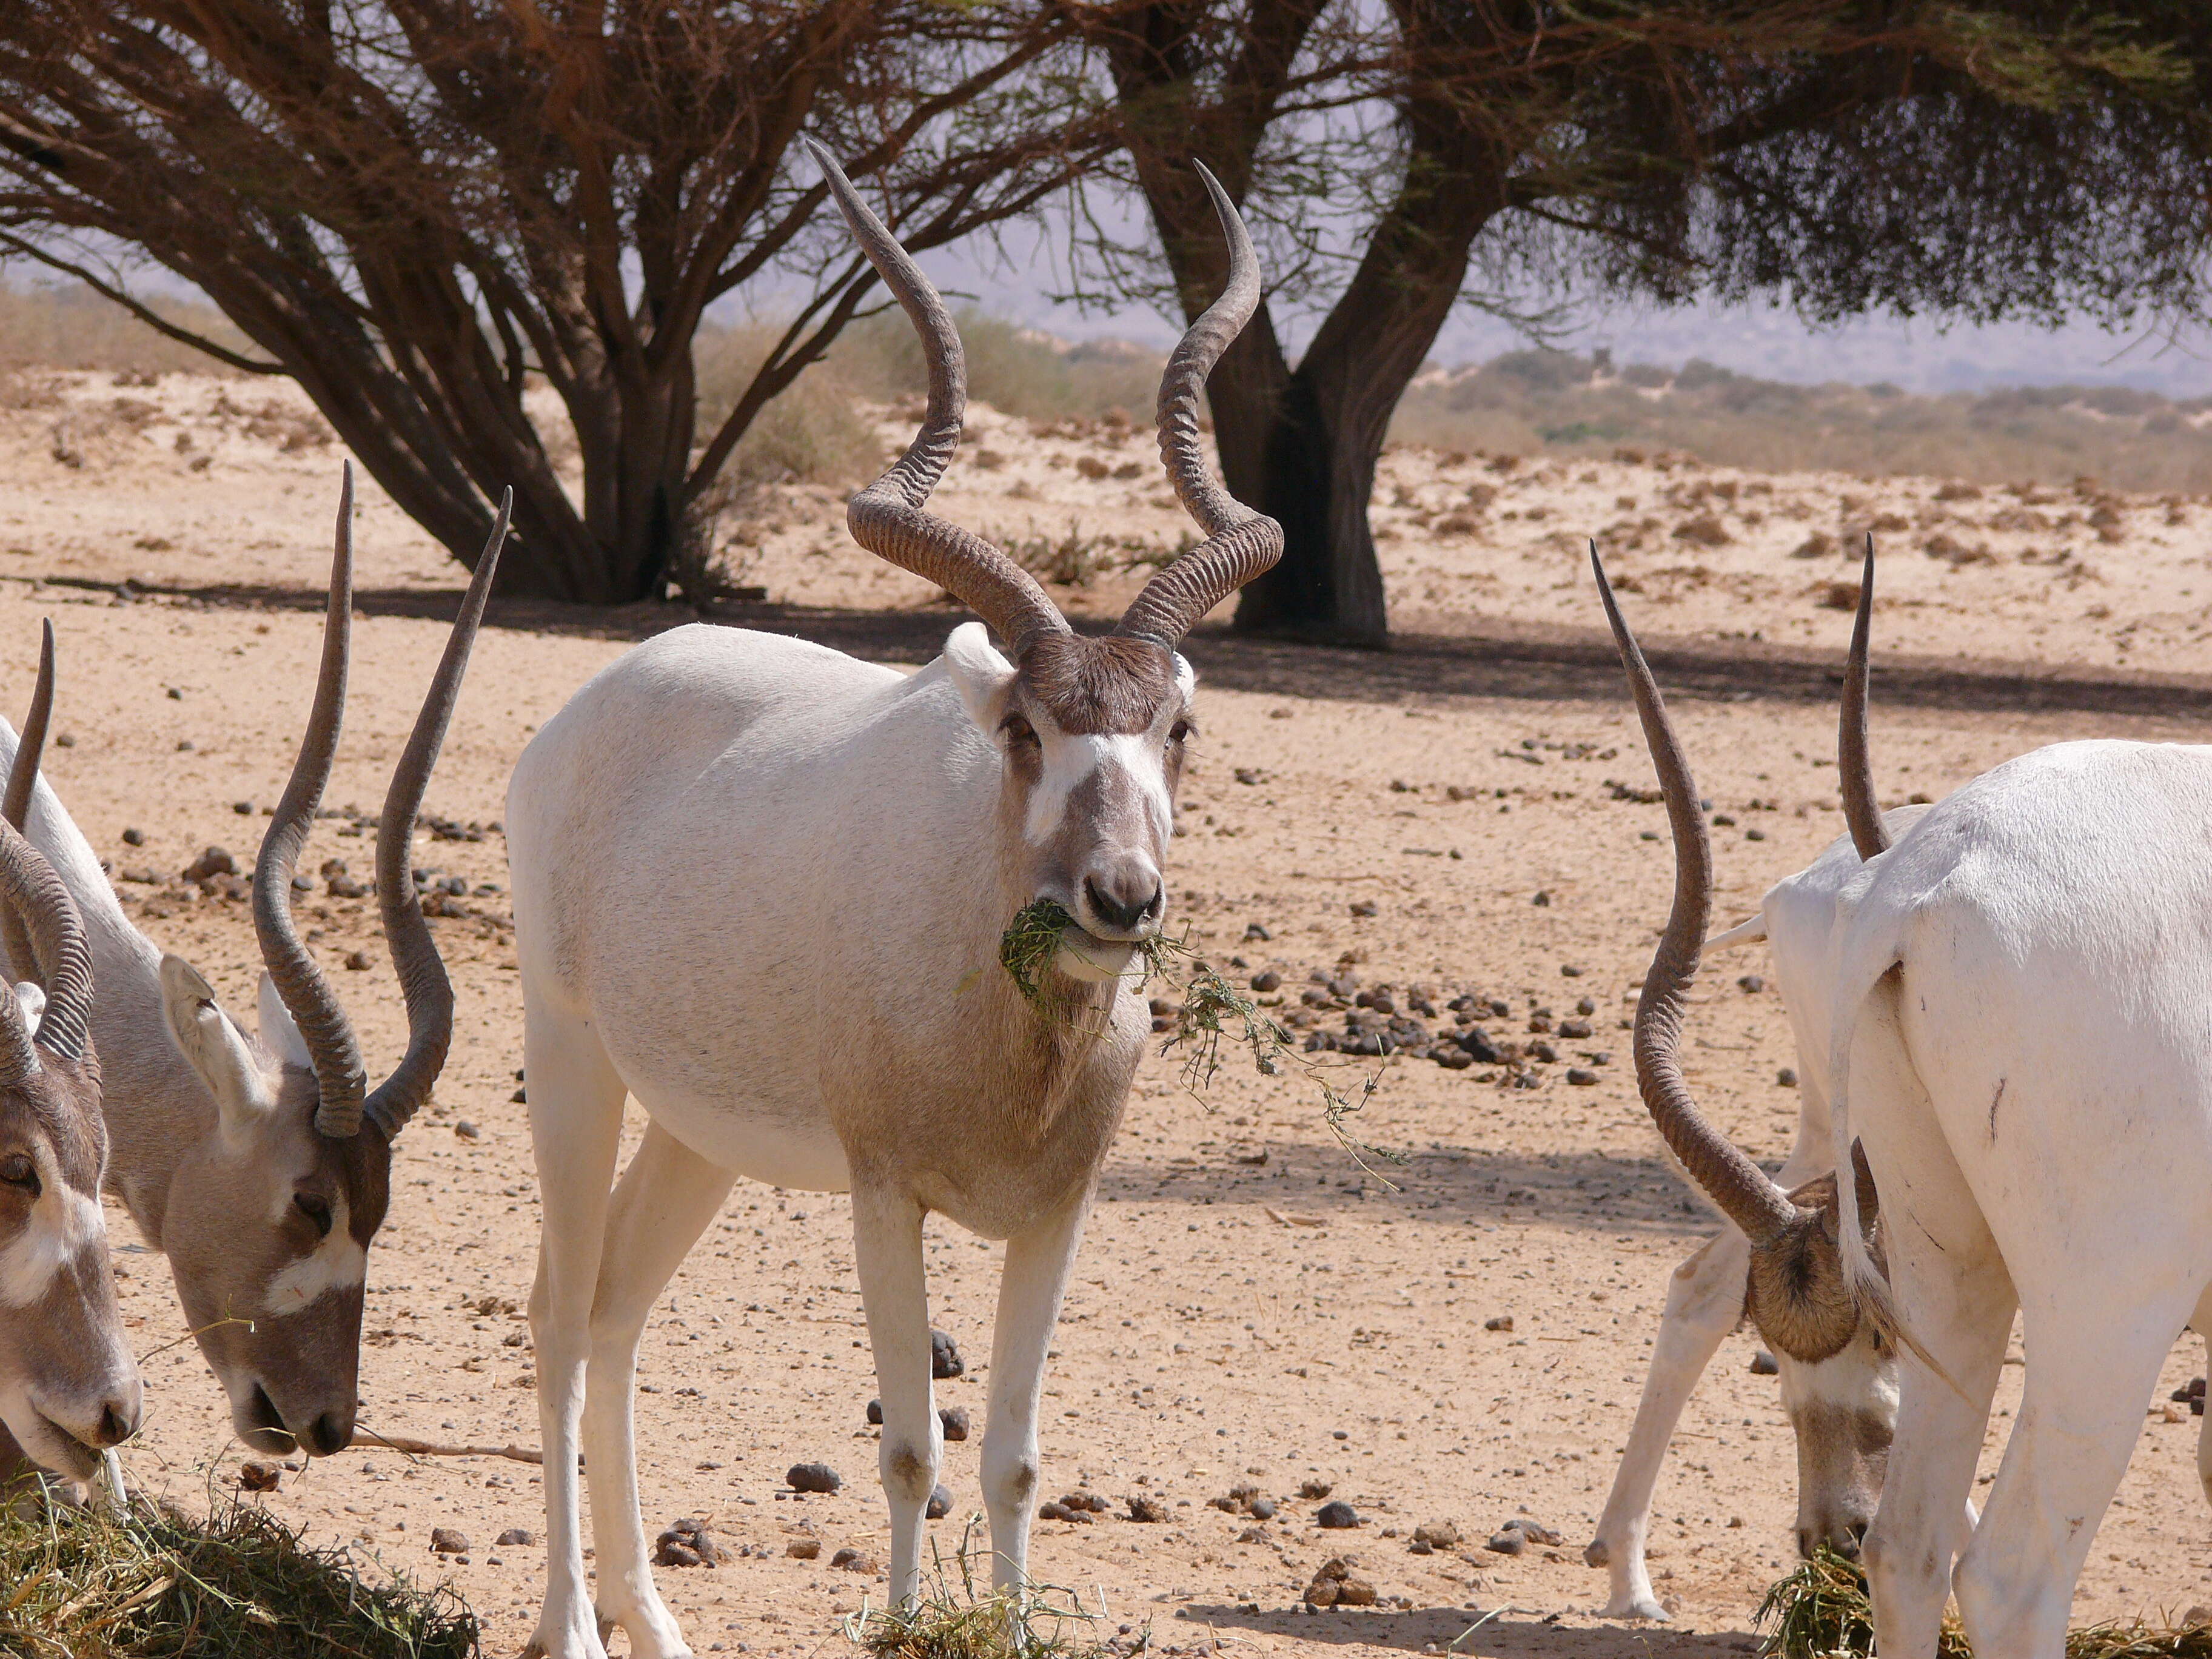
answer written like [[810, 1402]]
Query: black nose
[[329, 1434], [118, 1423], [1115, 912]]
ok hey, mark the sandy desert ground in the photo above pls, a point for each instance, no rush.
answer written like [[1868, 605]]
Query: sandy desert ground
[[1250, 1307]]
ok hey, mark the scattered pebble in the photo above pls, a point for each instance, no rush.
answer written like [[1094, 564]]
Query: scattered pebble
[[243, 808], [953, 1419], [944, 1359], [939, 1505], [1437, 1535], [804, 1549], [853, 1560], [134, 837], [1311, 1490], [465, 1130], [521, 1535], [1334, 1586], [358, 960], [1787, 1077], [812, 1477], [1499, 1323], [686, 1544], [1764, 1364], [444, 1541], [1512, 1541], [1145, 1508], [215, 861], [1336, 1515]]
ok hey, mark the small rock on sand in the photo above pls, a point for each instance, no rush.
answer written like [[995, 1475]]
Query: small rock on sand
[[853, 1560], [521, 1535], [1336, 1515], [939, 1505], [1144, 1507], [686, 1544], [944, 1359], [804, 1549], [263, 1476], [446, 1541], [812, 1477]]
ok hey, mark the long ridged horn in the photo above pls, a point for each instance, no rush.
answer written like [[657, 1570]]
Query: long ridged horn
[[1742, 1189], [1241, 543], [888, 517], [421, 972], [1854, 771], [306, 993], [15, 806]]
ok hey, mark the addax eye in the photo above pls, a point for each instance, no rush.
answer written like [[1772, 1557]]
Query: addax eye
[[1181, 732], [317, 1210], [1020, 734], [20, 1172]]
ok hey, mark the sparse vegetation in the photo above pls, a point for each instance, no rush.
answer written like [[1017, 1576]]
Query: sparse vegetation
[[1560, 403], [953, 1619], [49, 328]]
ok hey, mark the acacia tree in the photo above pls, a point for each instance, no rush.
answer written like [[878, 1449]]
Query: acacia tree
[[1846, 153], [419, 209]]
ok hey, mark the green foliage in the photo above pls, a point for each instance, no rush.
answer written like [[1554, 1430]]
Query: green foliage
[[152, 1584]]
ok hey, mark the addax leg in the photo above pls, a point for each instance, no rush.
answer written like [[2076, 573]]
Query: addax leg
[[1958, 1300], [895, 1292], [575, 1124], [2093, 1361], [666, 1198], [1030, 1290], [1704, 1301], [2202, 1321]]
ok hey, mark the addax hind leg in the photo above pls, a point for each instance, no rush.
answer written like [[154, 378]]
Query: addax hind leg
[[666, 1198], [576, 1126], [895, 1294], [2093, 1360], [1038, 1260], [1704, 1302]]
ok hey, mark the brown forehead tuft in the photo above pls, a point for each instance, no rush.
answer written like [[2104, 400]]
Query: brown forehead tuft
[[62, 1107], [1115, 683]]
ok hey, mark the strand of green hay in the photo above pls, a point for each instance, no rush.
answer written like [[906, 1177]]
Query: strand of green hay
[[1821, 1610], [152, 1584]]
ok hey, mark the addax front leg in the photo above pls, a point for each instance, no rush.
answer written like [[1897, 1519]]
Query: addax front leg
[[1037, 1263], [1704, 1302], [895, 1293]]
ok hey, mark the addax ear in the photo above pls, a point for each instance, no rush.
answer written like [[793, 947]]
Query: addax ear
[[278, 1030], [981, 675], [211, 1044]]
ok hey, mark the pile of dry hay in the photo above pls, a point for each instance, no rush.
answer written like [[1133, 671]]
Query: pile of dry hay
[[1821, 1612], [154, 1584]]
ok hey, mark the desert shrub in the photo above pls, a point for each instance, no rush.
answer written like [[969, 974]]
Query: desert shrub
[[43, 326]]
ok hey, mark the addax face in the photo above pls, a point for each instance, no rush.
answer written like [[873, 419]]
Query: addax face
[[269, 1227], [69, 1386], [1093, 733], [1844, 1409]]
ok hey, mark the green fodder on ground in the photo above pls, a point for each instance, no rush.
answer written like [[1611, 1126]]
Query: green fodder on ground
[[1559, 403], [954, 1618], [1820, 1611], [48, 327], [154, 1584]]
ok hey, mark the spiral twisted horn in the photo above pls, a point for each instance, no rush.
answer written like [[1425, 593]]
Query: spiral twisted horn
[[887, 518], [1854, 772], [1241, 543]]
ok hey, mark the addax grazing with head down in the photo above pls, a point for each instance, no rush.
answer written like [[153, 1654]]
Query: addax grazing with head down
[[261, 1168], [2017, 1030], [1842, 1407], [724, 821], [68, 1388]]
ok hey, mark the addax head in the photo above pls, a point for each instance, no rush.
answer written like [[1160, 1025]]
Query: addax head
[[1092, 730], [270, 1216], [69, 1386]]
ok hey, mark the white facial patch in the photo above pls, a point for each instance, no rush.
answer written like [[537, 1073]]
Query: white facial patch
[[336, 1263], [1857, 1379], [1135, 754], [63, 1227]]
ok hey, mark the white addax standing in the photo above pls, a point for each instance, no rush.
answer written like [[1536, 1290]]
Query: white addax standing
[[725, 826], [2021, 1040]]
